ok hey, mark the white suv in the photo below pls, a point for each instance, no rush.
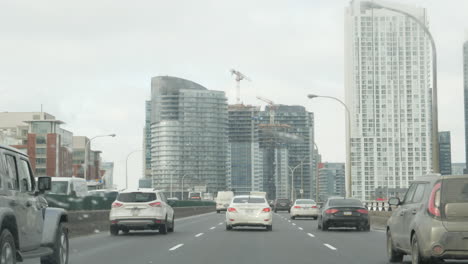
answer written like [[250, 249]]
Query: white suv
[[141, 209]]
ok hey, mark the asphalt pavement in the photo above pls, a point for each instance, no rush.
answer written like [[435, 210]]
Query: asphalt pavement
[[204, 239]]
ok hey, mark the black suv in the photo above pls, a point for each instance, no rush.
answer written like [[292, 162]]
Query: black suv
[[282, 204], [29, 229]]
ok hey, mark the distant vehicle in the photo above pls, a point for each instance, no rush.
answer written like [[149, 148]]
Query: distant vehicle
[[141, 209], [93, 185], [282, 204], [431, 222], [248, 210], [263, 194], [71, 186], [207, 197], [197, 196], [223, 200], [30, 229], [344, 212], [304, 208]]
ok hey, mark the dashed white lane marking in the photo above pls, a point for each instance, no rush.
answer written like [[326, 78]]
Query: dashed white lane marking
[[175, 247], [300, 228], [200, 234], [330, 246], [220, 223], [311, 235], [289, 221], [212, 227], [293, 224]]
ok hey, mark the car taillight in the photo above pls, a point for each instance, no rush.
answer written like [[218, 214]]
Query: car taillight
[[331, 211], [116, 204], [155, 204], [232, 210], [266, 210], [362, 211], [297, 206], [432, 207], [314, 206]]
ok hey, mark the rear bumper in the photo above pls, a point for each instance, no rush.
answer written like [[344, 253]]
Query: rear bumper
[[346, 221], [455, 245], [313, 213], [144, 223], [240, 220], [282, 208]]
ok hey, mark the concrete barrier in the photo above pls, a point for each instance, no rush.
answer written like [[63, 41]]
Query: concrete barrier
[[379, 219], [82, 223]]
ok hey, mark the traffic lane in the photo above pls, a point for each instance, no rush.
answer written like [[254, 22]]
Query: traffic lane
[[372, 245], [103, 248], [285, 244], [356, 246]]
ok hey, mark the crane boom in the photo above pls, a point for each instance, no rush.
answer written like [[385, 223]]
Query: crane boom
[[273, 107], [239, 77]]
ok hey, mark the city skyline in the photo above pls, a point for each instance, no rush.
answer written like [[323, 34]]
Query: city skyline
[[112, 88]]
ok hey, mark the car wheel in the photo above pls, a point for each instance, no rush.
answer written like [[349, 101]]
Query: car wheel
[[228, 227], [416, 257], [163, 228], [276, 211], [217, 211], [114, 230], [324, 227], [269, 228], [392, 254], [293, 217], [7, 245], [126, 231], [60, 248], [171, 229]]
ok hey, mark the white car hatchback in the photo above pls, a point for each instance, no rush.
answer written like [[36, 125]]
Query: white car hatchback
[[249, 210], [304, 208], [141, 209]]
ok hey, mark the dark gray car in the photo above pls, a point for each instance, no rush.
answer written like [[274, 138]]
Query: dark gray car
[[431, 222]]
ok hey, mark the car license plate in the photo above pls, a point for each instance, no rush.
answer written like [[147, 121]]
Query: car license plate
[[249, 211], [348, 213], [283, 204], [135, 212]]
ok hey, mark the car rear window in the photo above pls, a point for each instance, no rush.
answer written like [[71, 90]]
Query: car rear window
[[345, 202], [283, 201], [305, 202], [249, 200], [454, 191], [136, 197]]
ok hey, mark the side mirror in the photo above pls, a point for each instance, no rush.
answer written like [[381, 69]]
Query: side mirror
[[44, 184], [394, 201]]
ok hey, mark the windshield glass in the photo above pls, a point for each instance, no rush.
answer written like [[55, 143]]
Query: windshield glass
[[345, 202], [59, 187], [305, 202], [136, 197], [249, 200]]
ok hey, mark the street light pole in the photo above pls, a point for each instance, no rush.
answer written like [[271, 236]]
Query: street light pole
[[126, 166], [348, 142], [86, 153], [434, 110], [316, 174], [292, 177]]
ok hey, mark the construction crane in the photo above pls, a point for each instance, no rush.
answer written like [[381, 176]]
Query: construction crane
[[239, 77], [273, 108]]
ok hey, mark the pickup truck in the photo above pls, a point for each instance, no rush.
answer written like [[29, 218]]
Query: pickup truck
[[29, 228]]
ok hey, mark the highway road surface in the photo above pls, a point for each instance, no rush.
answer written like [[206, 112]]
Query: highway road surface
[[203, 239]]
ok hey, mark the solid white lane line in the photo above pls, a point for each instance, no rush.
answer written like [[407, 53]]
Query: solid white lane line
[[293, 224], [197, 235], [330, 246], [212, 227], [311, 235], [175, 247], [300, 228]]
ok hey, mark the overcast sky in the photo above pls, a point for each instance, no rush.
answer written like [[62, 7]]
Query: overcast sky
[[90, 62]]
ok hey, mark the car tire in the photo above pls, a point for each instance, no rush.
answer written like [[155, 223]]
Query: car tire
[[114, 230], [228, 227], [61, 248], [269, 228], [126, 231], [293, 217], [392, 254], [7, 247], [217, 211], [163, 228], [324, 227], [276, 211], [171, 229], [416, 257]]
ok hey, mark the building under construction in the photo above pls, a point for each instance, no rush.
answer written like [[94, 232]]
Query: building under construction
[[246, 171]]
